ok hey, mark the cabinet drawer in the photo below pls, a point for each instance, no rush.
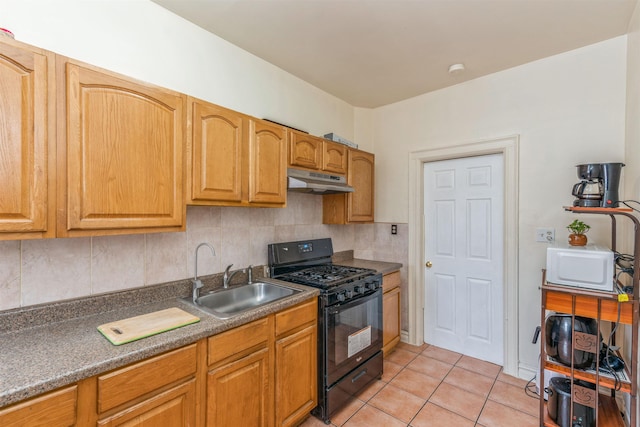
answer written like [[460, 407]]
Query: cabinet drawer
[[129, 383], [236, 341], [174, 407], [297, 316], [390, 281], [54, 409]]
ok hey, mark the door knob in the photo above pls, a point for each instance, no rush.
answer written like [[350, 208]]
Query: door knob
[[428, 264]]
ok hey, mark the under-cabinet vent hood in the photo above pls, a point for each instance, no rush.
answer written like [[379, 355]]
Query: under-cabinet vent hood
[[316, 183]]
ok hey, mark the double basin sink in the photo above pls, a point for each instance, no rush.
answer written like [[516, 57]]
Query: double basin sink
[[229, 302]]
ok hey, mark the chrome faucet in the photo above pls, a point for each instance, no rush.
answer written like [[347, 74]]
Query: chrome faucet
[[227, 277], [197, 283]]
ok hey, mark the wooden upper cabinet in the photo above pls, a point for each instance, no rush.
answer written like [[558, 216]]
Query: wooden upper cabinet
[[267, 163], [334, 157], [305, 150], [361, 176], [120, 154], [27, 142], [359, 205], [310, 152], [216, 138], [234, 159]]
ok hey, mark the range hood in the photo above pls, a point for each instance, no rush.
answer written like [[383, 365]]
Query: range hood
[[317, 183]]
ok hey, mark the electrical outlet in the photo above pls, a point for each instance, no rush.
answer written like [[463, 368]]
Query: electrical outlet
[[546, 235], [394, 229]]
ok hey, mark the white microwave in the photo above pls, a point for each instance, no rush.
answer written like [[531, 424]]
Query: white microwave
[[589, 267]]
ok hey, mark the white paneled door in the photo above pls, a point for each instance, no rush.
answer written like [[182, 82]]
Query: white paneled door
[[463, 228]]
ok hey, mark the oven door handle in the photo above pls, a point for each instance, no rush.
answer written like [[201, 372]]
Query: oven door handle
[[334, 309]]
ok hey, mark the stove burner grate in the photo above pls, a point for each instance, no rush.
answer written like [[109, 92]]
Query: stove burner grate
[[325, 275]]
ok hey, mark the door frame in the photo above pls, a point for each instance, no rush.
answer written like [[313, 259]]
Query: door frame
[[509, 147]]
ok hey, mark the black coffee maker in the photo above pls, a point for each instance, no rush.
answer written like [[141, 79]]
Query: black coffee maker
[[598, 186]]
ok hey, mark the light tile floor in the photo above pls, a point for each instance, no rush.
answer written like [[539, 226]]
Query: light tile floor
[[431, 387]]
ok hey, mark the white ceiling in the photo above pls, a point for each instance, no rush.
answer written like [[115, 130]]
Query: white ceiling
[[375, 52]]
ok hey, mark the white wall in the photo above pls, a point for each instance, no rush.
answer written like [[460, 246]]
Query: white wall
[[632, 147], [140, 39], [567, 109], [632, 143]]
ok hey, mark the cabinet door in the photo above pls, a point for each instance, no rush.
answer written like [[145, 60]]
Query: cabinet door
[[334, 158], [360, 175], [296, 376], [174, 407], [390, 319], [123, 154], [216, 143], [356, 206], [27, 136], [54, 409], [238, 392], [267, 163], [305, 150]]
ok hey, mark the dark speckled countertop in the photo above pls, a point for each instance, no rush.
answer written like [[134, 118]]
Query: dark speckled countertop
[[37, 359], [46, 347], [380, 266]]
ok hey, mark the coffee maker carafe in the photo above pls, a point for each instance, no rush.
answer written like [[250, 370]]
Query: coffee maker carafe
[[598, 186]]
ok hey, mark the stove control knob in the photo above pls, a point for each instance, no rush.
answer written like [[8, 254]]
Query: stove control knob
[[341, 297], [372, 285], [361, 289], [349, 294]]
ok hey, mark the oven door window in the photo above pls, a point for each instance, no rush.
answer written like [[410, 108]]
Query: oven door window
[[354, 333]]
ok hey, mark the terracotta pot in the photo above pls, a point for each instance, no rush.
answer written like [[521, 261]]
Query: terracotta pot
[[577, 239]]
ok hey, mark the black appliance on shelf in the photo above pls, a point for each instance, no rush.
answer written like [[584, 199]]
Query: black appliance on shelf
[[559, 334], [349, 318], [598, 186], [559, 404]]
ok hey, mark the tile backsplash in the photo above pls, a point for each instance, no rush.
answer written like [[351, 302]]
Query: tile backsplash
[[40, 271]]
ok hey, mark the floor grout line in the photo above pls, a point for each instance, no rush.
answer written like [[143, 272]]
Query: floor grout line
[[405, 366]]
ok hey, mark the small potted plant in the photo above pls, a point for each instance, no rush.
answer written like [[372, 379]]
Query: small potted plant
[[578, 230]]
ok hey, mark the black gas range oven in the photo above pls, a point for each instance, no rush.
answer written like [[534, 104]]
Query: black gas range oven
[[349, 318]]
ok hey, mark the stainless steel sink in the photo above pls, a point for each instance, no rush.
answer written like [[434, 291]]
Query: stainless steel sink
[[226, 303]]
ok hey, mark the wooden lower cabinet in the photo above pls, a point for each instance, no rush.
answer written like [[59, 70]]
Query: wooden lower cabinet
[[174, 407], [260, 374], [239, 384], [238, 392], [391, 311], [296, 391], [57, 408], [156, 391], [265, 371]]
